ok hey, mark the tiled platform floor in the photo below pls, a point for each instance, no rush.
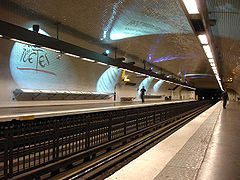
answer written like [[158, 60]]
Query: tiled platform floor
[[207, 148]]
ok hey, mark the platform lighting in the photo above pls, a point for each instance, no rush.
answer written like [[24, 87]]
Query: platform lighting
[[1, 36], [23, 42], [112, 66], [72, 55], [107, 52], [211, 60], [191, 6], [151, 69], [129, 71], [102, 63], [203, 38], [50, 49], [89, 60], [138, 73], [208, 51], [212, 64]]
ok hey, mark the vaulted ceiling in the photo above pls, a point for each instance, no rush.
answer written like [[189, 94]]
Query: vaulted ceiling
[[155, 31]]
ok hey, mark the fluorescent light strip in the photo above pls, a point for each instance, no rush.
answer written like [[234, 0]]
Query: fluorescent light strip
[[72, 55], [208, 51], [24, 42], [211, 60], [89, 60], [102, 63], [50, 49], [203, 38], [212, 64], [191, 6], [214, 68], [129, 71]]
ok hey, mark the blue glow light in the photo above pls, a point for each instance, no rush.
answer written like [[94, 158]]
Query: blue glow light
[[190, 75], [167, 58], [153, 50], [108, 80], [149, 57], [146, 83], [157, 85], [200, 77], [110, 22], [107, 51], [119, 36]]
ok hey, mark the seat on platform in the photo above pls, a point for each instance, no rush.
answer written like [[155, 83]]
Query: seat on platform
[[30, 95]]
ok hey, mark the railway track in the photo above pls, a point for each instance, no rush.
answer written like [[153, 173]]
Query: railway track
[[58, 147], [101, 167]]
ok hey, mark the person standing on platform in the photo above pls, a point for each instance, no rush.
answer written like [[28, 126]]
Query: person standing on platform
[[142, 93], [224, 98]]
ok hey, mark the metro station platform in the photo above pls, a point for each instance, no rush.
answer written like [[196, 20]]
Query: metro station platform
[[205, 148], [25, 112]]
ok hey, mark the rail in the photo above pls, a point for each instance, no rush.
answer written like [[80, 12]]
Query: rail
[[29, 145]]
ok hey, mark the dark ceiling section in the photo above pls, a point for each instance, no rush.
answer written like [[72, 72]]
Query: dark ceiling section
[[198, 25], [227, 37]]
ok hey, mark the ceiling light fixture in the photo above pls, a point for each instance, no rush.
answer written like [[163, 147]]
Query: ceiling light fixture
[[50, 49], [191, 6], [106, 53], [23, 42], [208, 51], [129, 71], [211, 60], [72, 55], [1, 36], [203, 38], [102, 63], [89, 60], [212, 64]]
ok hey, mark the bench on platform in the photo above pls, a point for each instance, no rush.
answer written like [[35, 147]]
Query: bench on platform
[[30, 95], [152, 96], [127, 98]]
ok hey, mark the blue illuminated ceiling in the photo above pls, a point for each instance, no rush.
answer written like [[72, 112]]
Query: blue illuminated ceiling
[[142, 17], [227, 14]]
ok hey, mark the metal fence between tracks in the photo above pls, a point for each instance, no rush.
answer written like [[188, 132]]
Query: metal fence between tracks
[[27, 145]]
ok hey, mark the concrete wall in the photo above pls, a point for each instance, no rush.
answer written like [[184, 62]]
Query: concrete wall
[[24, 66]]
